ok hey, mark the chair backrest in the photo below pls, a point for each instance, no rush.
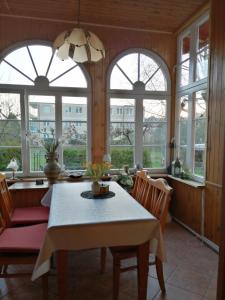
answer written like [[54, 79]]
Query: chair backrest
[[141, 180], [6, 206], [159, 199]]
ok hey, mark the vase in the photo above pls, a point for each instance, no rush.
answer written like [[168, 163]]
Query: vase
[[95, 188], [52, 167]]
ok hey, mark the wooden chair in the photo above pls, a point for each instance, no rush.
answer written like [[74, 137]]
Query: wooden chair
[[156, 198], [141, 187], [141, 180], [20, 246], [22, 215]]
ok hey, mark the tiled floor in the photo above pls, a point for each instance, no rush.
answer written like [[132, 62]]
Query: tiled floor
[[190, 274]]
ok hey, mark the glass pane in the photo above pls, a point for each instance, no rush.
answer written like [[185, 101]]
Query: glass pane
[[147, 67], [200, 131], [119, 81], [73, 78], [200, 118], [154, 110], [122, 133], [8, 75], [121, 156], [199, 163], [129, 65], [41, 108], [183, 132], [203, 35], [58, 67], [122, 110], [154, 157], [74, 108], [200, 104], [6, 154], [184, 73], [10, 116], [154, 133], [10, 106], [185, 47], [42, 127], [21, 60], [10, 133], [182, 153], [41, 56], [37, 159], [74, 158], [75, 133], [183, 120], [202, 64], [157, 83], [183, 108]]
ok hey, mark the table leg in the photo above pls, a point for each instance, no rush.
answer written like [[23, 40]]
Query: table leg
[[142, 259], [62, 273]]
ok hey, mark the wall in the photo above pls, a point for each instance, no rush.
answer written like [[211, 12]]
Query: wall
[[216, 125], [13, 30]]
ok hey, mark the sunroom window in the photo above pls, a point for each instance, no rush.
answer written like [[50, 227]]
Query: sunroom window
[[138, 110], [40, 93], [191, 107]]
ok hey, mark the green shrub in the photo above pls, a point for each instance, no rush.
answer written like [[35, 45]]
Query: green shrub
[[74, 158]]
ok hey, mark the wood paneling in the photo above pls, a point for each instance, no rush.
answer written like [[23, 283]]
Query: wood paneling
[[216, 135], [186, 204], [164, 15], [212, 212], [27, 194]]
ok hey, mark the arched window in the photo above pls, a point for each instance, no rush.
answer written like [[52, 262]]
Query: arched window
[[43, 96], [139, 94]]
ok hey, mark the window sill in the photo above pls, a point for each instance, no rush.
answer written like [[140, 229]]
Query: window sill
[[195, 184]]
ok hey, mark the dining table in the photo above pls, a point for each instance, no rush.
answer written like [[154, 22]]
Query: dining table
[[77, 223]]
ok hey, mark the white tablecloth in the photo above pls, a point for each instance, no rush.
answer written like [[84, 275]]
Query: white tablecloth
[[77, 223]]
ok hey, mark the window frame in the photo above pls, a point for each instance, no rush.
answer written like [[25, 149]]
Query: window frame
[[139, 97], [189, 90], [58, 93]]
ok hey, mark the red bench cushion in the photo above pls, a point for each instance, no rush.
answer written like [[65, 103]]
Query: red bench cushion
[[23, 239], [30, 215]]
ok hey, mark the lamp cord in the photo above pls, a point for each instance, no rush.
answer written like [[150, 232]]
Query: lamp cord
[[78, 13]]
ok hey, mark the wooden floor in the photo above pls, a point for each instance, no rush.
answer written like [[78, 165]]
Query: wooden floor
[[190, 274]]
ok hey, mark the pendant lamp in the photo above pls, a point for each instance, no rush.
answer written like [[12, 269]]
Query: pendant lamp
[[80, 44]]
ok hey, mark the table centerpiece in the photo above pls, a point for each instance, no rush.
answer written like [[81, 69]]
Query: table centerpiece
[[95, 171]]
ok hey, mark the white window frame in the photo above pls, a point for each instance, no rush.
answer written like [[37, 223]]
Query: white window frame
[[58, 92], [138, 97], [193, 87]]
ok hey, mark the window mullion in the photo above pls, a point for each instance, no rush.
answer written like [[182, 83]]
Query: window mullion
[[58, 124], [138, 156], [190, 133], [24, 129], [193, 54]]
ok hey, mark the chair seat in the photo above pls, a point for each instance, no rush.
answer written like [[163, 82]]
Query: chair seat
[[23, 239], [29, 215]]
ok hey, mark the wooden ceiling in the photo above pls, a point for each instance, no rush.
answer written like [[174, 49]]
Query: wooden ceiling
[[152, 15]]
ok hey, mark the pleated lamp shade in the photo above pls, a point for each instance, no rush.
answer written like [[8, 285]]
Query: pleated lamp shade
[[79, 44]]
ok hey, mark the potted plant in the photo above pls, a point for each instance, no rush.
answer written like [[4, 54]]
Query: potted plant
[[95, 171]]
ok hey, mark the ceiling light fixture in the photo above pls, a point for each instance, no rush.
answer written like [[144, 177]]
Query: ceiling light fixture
[[79, 44]]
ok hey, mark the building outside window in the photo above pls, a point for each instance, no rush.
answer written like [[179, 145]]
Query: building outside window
[[139, 102], [37, 92], [192, 99]]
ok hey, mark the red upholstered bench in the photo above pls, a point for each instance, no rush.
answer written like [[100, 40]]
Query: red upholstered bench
[[19, 216]]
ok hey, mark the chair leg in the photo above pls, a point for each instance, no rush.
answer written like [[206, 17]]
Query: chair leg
[[159, 271], [103, 259], [116, 277], [45, 286]]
